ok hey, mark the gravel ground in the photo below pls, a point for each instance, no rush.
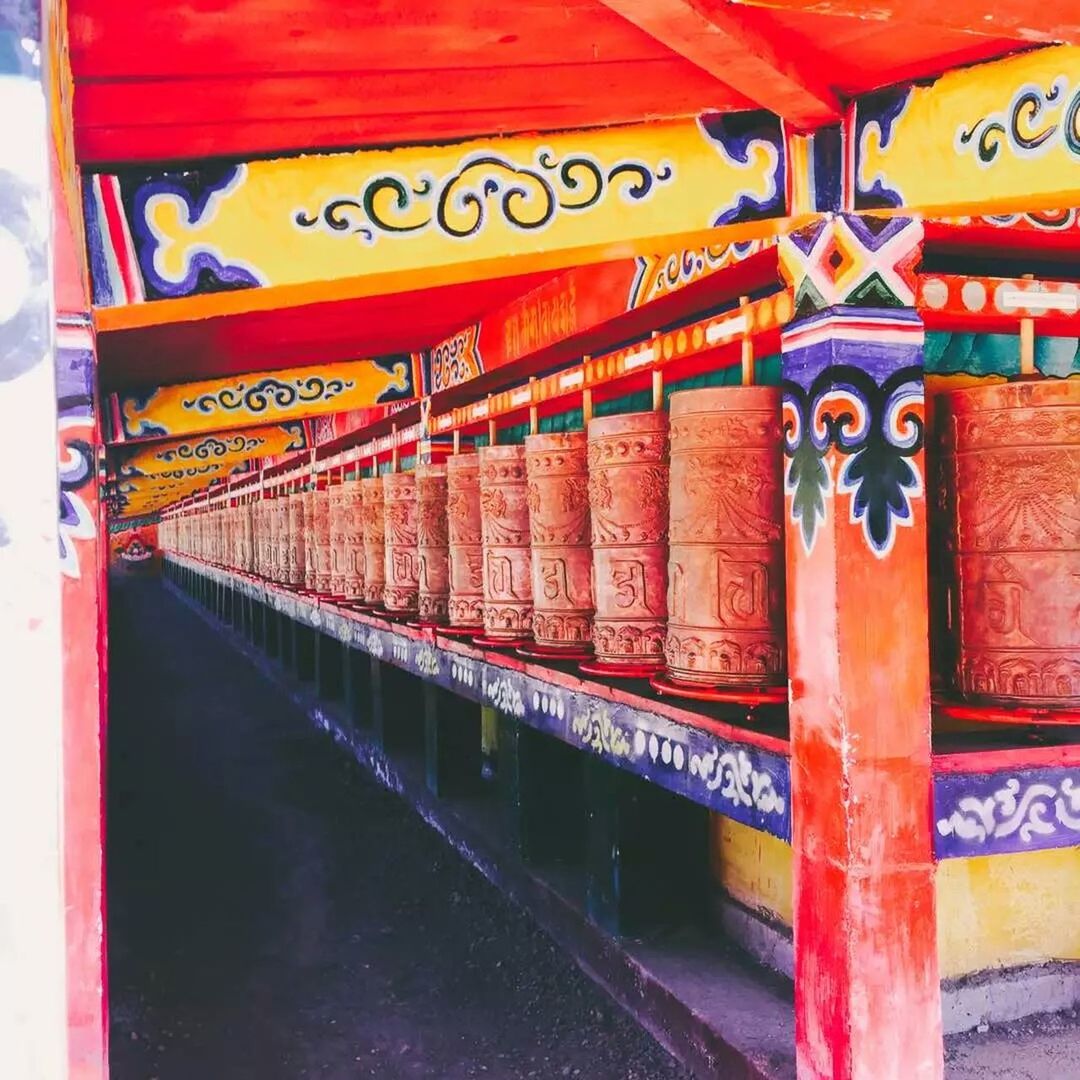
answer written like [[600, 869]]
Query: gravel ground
[[273, 915]]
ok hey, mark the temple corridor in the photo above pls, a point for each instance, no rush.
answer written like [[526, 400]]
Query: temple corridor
[[272, 914]]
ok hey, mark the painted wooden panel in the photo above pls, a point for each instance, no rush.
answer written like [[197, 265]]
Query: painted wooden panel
[[999, 137], [221, 449], [289, 394], [430, 214]]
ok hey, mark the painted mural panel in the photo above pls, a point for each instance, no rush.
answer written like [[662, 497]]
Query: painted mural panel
[[1004, 135], [240, 401], [168, 234]]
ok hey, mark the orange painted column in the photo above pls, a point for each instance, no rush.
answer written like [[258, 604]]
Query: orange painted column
[[867, 996]]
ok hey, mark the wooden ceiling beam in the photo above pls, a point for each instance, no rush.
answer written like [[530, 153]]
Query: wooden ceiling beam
[[711, 35], [1021, 20]]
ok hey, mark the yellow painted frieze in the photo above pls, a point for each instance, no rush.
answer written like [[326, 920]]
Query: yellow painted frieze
[[994, 138]]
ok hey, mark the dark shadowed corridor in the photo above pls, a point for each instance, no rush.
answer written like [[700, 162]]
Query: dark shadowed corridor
[[274, 915]]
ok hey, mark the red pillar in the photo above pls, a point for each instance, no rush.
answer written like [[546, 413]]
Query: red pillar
[[867, 995]]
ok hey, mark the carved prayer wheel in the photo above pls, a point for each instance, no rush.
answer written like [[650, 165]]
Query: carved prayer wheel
[[1012, 464], [352, 523], [400, 510], [319, 539], [558, 498], [338, 495], [374, 541], [628, 498], [466, 551], [296, 547], [310, 547], [432, 543], [505, 536], [273, 528], [726, 562]]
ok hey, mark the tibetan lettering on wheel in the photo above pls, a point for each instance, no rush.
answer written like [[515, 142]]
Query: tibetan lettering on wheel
[[352, 524], [466, 548], [1013, 452], [726, 565], [401, 588], [432, 543], [374, 541], [628, 496], [558, 497], [505, 522]]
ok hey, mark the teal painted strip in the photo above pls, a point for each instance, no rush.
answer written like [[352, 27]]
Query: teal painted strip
[[998, 354]]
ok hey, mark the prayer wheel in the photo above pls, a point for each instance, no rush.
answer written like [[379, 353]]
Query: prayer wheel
[[352, 523], [338, 496], [400, 511], [432, 543], [310, 548], [319, 539], [374, 541], [270, 538], [628, 502], [505, 536], [296, 547], [466, 550], [558, 500], [279, 534], [726, 619], [1012, 464]]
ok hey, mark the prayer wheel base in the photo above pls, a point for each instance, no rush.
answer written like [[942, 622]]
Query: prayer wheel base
[[535, 651], [608, 670], [667, 686], [498, 643], [1007, 713], [458, 631]]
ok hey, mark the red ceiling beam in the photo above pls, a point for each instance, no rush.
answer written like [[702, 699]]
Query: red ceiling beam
[[1021, 20], [716, 39]]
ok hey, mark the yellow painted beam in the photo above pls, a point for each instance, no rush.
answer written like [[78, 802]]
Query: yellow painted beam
[[225, 448], [379, 221], [995, 138], [247, 400]]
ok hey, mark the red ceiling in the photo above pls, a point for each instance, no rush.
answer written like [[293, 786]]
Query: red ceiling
[[173, 81], [286, 337]]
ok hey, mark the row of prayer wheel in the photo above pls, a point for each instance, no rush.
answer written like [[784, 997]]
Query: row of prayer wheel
[[655, 541]]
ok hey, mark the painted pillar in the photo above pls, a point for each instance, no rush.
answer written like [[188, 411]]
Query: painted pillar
[[33, 997], [867, 997]]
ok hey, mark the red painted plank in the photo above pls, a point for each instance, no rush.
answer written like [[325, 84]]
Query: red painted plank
[[207, 37], [1019, 19], [669, 85], [314, 333]]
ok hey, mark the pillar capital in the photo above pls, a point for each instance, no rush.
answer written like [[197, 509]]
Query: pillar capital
[[852, 260]]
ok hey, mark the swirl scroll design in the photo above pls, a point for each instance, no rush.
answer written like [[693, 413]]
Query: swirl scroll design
[[209, 449], [524, 196], [876, 430], [258, 397], [1026, 812]]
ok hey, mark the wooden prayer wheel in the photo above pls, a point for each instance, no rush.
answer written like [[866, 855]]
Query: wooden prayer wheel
[[558, 500], [310, 547], [400, 511], [466, 550], [726, 619], [338, 498], [505, 536], [296, 546], [319, 539], [374, 541], [270, 539], [432, 543], [1012, 463], [352, 523], [628, 501]]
